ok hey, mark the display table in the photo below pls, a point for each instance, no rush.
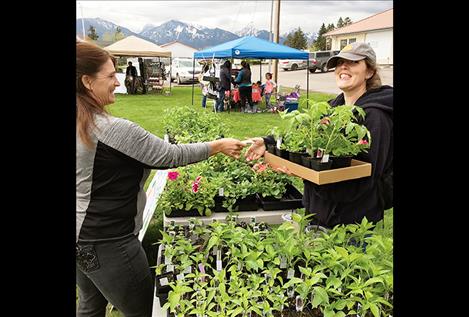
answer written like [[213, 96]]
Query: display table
[[256, 94], [270, 217]]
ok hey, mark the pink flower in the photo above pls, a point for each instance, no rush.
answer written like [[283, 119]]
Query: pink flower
[[195, 187], [173, 175], [363, 141], [197, 180]]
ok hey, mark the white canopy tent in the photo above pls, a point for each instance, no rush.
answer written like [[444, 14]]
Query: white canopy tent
[[133, 46]]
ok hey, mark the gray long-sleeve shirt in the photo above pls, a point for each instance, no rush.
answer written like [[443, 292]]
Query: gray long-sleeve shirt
[[111, 175]]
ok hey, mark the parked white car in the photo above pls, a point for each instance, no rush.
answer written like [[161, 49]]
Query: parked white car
[[182, 70]]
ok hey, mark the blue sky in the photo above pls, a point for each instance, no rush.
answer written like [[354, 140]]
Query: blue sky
[[230, 15]]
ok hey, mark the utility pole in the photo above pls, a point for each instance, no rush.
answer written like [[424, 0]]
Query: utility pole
[[270, 30], [276, 37], [82, 22]]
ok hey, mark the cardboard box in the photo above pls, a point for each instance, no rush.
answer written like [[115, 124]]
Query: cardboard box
[[358, 169]]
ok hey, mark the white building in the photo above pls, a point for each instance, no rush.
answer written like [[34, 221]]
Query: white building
[[179, 49], [376, 30]]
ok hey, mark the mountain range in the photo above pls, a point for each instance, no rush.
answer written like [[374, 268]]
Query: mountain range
[[193, 35]]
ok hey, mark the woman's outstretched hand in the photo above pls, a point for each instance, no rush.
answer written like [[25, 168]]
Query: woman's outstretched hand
[[227, 146], [256, 150]]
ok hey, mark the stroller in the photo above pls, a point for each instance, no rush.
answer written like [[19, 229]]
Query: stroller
[[284, 99]]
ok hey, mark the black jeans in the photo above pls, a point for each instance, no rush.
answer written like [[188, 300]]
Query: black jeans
[[246, 93], [116, 272]]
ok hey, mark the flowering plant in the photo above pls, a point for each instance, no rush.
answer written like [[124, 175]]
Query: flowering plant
[[186, 191], [270, 183]]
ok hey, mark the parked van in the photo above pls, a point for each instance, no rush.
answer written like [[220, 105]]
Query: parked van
[[182, 70], [318, 60]]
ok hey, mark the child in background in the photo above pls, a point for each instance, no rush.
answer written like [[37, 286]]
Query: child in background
[[204, 84], [269, 88]]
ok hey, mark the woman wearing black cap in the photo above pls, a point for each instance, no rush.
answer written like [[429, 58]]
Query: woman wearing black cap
[[349, 201]]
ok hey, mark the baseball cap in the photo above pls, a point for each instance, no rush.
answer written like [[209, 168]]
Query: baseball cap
[[356, 51]]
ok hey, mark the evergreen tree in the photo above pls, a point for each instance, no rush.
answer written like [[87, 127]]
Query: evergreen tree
[[330, 27], [92, 33], [297, 39], [320, 43], [340, 23], [289, 40], [300, 40], [347, 21], [118, 35]]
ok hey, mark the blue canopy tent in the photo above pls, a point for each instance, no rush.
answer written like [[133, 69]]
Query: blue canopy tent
[[252, 47]]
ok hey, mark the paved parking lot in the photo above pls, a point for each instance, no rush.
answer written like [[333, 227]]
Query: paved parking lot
[[322, 82]]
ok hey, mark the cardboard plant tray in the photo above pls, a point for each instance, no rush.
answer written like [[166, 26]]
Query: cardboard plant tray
[[358, 169]]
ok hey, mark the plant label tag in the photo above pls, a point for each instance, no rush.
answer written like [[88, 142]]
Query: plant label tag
[[221, 191], [325, 158], [319, 153], [214, 250], [201, 268], [180, 276], [283, 263], [170, 268], [219, 265], [164, 281], [279, 142], [166, 138], [188, 270], [167, 260], [291, 273]]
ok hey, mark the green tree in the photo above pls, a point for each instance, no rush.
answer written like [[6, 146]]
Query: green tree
[[118, 35], [320, 43], [340, 23], [347, 21], [92, 33], [330, 27], [297, 39]]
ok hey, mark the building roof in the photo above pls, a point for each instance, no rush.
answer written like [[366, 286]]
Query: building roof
[[175, 42], [383, 20]]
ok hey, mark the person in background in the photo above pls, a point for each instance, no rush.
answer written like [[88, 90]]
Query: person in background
[[245, 87], [114, 158], [204, 85], [130, 76], [269, 88], [143, 74], [225, 85], [356, 74]]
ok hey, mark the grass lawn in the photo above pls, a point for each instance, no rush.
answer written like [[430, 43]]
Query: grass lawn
[[147, 111]]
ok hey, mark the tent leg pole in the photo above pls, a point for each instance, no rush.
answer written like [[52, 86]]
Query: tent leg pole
[[193, 70], [170, 73], [307, 84]]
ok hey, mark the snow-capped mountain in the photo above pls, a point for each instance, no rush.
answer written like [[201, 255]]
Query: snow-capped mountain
[[262, 34], [103, 28], [190, 34]]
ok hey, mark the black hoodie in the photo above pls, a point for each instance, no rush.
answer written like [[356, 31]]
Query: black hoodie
[[349, 201]]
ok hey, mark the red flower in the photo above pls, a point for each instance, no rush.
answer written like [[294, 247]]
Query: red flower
[[197, 180], [362, 141], [173, 175], [195, 187]]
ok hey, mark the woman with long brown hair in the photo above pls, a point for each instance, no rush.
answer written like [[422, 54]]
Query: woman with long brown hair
[[113, 160]]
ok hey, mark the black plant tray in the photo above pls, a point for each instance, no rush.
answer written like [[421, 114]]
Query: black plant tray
[[162, 289], [184, 213], [292, 199]]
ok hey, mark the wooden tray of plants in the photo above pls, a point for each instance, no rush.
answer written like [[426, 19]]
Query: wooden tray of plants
[[358, 169]]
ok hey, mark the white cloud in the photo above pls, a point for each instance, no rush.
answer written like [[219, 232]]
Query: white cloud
[[230, 15]]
